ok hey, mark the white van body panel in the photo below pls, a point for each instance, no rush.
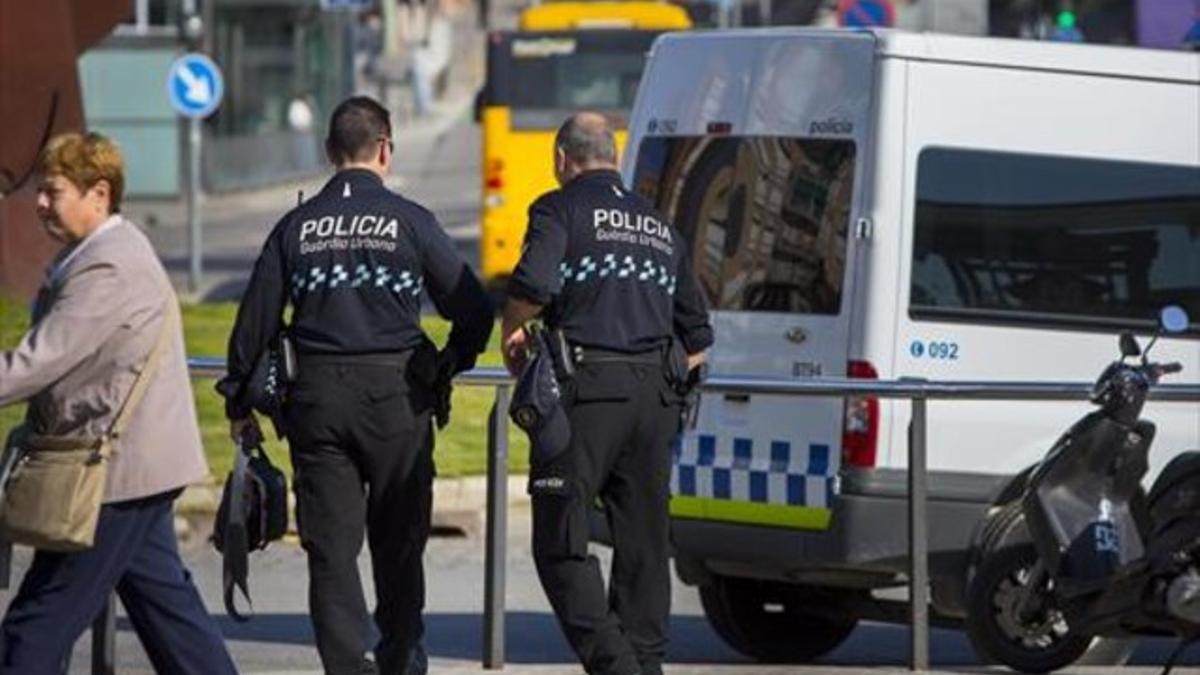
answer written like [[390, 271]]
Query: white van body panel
[[971, 103], [905, 94]]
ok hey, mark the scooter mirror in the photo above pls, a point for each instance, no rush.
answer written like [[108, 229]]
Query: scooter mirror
[[1173, 319], [1129, 345]]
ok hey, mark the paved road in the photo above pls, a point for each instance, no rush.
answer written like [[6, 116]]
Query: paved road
[[279, 639]]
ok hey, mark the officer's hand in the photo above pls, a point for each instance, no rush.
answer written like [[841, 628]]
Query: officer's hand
[[696, 359], [516, 351], [246, 431]]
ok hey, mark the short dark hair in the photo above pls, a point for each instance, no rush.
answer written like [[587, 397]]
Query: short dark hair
[[587, 137], [357, 124]]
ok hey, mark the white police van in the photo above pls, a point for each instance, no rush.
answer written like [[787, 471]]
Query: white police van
[[887, 205]]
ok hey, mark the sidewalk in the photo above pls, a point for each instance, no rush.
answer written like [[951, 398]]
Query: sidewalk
[[697, 669], [459, 506]]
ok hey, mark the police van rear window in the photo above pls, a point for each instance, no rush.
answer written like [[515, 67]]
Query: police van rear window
[[1056, 241], [766, 217]]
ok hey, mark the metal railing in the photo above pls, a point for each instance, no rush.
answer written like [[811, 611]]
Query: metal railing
[[919, 392]]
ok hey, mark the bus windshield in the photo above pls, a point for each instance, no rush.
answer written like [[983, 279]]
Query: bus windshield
[[567, 70]]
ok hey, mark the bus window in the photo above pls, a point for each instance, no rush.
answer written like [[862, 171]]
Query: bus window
[[575, 60], [560, 73]]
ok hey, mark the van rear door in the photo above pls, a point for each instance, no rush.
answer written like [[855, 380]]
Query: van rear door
[[752, 145]]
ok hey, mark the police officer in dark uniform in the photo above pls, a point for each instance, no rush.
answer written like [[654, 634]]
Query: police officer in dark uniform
[[612, 283], [354, 262]]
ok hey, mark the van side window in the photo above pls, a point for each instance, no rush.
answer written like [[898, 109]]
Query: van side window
[[766, 217], [1057, 241]]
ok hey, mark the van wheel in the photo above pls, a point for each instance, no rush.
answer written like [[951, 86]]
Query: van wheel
[[1034, 640], [775, 622]]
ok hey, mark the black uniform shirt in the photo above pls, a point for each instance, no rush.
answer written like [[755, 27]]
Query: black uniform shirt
[[354, 261], [611, 272]]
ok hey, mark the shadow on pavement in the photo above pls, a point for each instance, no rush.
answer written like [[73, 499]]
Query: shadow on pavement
[[534, 638]]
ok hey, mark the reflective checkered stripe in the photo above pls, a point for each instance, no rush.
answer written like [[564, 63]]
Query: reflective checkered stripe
[[378, 277], [745, 480], [614, 266]]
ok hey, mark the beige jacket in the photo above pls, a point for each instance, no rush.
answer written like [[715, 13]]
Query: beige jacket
[[95, 321]]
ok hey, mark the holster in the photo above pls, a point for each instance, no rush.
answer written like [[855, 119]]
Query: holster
[[685, 383], [433, 374], [675, 368], [560, 354]]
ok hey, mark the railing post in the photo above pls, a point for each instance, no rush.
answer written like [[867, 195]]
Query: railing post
[[918, 537], [497, 533], [104, 639], [6, 550]]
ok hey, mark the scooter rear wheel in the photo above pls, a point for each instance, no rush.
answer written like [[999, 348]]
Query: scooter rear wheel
[[1031, 642]]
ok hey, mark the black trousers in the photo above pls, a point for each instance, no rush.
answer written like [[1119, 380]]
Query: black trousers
[[623, 419], [362, 447]]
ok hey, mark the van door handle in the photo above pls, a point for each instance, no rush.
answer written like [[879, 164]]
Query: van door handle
[[737, 398], [796, 335]]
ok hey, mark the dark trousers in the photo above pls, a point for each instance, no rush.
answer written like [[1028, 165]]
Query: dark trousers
[[135, 553], [623, 419], [362, 447]]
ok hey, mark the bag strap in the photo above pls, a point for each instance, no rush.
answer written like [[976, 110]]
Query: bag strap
[[151, 365], [235, 549]]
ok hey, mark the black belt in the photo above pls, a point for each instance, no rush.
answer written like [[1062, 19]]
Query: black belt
[[372, 359], [581, 354]]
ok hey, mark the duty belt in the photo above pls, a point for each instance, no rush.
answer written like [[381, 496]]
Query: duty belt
[[581, 354], [371, 359]]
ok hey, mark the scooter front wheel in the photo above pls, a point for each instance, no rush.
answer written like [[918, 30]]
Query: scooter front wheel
[[1030, 635]]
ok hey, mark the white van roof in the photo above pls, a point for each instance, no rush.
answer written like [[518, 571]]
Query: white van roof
[[1151, 64]]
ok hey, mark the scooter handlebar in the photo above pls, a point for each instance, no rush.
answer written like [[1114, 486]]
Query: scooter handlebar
[[1170, 368]]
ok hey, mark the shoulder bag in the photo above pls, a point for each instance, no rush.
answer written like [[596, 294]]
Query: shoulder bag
[[53, 493]]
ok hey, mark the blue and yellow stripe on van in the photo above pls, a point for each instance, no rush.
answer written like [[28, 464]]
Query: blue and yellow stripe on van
[[775, 484]]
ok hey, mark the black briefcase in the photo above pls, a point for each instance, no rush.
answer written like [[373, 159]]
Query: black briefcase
[[253, 513]]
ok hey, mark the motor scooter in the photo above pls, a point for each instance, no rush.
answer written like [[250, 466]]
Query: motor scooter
[[1080, 550]]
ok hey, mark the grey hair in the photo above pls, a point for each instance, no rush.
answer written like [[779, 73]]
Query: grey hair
[[587, 137]]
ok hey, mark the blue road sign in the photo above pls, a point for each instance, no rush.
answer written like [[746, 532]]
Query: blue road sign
[[866, 13], [195, 85]]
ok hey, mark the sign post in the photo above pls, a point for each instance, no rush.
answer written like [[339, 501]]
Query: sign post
[[195, 87]]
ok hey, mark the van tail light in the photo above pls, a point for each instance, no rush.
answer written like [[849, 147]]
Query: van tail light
[[860, 435], [494, 174]]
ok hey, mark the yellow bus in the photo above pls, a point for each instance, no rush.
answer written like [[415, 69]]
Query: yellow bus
[[566, 56]]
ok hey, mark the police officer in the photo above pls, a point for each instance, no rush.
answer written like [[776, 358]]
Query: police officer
[[354, 262], [611, 280]]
